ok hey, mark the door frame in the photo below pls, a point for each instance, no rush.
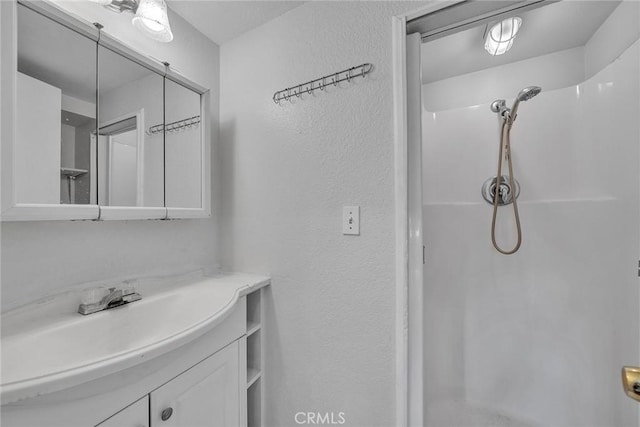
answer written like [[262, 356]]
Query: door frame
[[140, 133], [408, 229]]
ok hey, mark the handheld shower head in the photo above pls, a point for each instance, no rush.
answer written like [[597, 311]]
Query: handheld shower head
[[528, 92], [524, 95]]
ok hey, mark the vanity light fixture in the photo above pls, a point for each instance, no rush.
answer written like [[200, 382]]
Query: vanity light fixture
[[499, 37], [150, 16]]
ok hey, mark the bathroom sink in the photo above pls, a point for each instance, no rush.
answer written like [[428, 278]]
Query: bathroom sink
[[48, 346]]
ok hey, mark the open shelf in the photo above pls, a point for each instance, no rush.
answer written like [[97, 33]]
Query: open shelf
[[252, 328], [254, 353], [253, 309], [253, 375], [254, 404], [72, 172]]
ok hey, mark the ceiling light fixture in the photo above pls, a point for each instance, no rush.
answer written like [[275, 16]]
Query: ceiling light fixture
[[151, 16], [499, 37]]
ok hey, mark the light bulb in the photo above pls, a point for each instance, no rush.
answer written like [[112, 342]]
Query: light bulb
[[152, 19], [500, 36]]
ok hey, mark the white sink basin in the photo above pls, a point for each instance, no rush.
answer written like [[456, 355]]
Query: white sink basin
[[45, 349]]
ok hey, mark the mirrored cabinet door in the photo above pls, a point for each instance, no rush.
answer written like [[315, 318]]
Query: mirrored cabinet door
[[183, 146], [101, 131], [130, 157], [55, 113]]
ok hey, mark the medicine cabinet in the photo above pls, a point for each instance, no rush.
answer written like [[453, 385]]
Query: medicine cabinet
[[92, 129]]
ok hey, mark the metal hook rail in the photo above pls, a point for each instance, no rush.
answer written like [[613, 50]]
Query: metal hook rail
[[174, 126], [331, 79]]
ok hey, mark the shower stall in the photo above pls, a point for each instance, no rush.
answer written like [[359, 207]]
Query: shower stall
[[530, 295]]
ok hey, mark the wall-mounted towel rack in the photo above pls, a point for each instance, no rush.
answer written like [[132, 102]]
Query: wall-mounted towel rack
[[331, 79], [187, 123]]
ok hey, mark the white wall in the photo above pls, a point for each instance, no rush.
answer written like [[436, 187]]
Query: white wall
[[552, 71], [67, 160], [615, 35], [40, 258], [38, 128], [68, 147], [78, 106], [123, 169], [539, 337], [288, 170]]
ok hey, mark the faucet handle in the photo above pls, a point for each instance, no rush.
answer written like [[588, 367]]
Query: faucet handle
[[128, 288], [93, 295]]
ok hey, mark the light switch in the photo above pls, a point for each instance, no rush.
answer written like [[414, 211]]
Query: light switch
[[351, 220]]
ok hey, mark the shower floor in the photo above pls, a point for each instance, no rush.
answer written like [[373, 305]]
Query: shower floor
[[459, 413]]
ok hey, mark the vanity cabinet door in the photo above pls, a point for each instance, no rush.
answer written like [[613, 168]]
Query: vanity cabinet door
[[135, 415], [207, 395]]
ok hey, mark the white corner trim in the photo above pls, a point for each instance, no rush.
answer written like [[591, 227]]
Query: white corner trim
[[409, 395], [399, 30]]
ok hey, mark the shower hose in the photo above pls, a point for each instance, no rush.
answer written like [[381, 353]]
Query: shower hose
[[505, 148]]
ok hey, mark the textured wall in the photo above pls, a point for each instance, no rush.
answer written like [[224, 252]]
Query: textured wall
[[288, 170], [39, 258]]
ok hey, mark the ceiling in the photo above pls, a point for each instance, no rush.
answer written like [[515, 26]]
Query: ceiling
[[221, 21], [552, 28]]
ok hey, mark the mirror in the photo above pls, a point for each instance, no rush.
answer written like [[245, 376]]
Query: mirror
[[183, 148], [130, 159], [101, 131], [55, 112]]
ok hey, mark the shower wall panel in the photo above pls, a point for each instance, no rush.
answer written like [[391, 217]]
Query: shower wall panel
[[538, 337]]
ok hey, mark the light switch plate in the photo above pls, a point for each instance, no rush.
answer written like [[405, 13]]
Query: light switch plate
[[351, 220]]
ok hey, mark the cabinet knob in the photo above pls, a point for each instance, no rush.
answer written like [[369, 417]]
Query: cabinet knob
[[166, 414]]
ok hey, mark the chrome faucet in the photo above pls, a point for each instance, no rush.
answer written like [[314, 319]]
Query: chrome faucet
[[114, 298]]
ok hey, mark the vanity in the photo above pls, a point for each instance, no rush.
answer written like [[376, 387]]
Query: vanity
[[95, 130], [189, 353]]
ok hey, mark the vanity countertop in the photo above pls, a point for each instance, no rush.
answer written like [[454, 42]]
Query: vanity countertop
[[47, 346]]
